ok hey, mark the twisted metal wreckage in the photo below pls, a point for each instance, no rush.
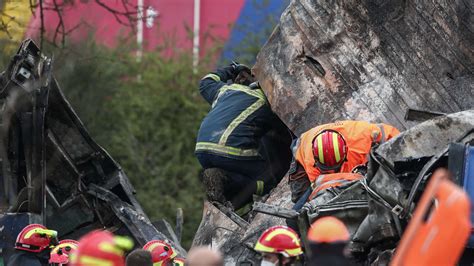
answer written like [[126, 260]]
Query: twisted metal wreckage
[[398, 62], [53, 173], [383, 61]]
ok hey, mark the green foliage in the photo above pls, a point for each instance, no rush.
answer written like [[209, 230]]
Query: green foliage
[[146, 115]]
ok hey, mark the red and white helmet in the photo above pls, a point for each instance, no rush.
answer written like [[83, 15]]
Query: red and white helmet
[[35, 238], [279, 240], [60, 253], [329, 150], [161, 252], [99, 248]]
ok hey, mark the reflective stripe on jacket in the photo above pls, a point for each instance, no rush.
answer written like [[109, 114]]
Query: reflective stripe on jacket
[[238, 118], [359, 136]]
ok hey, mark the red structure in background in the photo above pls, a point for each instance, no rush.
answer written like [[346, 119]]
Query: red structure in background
[[165, 21]]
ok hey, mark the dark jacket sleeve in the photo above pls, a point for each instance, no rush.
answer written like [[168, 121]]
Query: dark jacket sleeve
[[212, 82], [297, 176], [298, 181]]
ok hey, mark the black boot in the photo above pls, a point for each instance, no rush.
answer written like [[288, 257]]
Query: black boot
[[214, 180]]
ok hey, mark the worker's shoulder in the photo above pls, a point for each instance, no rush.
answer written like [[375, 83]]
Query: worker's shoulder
[[243, 89]]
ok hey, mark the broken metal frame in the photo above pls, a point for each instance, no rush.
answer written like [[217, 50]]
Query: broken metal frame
[[67, 173]]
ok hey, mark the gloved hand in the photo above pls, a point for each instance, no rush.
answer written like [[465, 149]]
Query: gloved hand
[[231, 71], [240, 67]]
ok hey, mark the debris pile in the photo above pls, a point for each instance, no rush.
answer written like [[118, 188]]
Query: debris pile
[[394, 62]]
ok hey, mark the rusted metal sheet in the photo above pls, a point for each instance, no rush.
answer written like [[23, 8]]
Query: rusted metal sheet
[[368, 60]]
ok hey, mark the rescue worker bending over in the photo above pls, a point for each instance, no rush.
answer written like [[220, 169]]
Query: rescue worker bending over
[[322, 152], [279, 245], [229, 138]]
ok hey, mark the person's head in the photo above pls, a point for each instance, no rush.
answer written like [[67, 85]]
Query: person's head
[[35, 238], [101, 248], [328, 238], [139, 257], [279, 245], [329, 151], [60, 254], [328, 229], [161, 252], [204, 256]]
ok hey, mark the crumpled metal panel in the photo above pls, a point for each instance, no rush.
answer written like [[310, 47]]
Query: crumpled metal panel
[[235, 238], [220, 232], [48, 156], [426, 140], [368, 60]]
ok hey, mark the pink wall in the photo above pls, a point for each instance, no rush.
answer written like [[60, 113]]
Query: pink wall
[[174, 21]]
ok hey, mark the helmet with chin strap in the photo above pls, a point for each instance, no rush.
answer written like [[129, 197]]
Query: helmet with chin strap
[[279, 240], [35, 238]]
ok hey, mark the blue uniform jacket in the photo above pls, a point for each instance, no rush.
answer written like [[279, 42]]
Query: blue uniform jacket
[[238, 118]]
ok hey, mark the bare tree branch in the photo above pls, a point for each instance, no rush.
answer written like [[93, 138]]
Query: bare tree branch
[[125, 15], [129, 15]]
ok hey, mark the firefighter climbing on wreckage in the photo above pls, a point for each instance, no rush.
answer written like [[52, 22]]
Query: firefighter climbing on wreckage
[[330, 157], [229, 138]]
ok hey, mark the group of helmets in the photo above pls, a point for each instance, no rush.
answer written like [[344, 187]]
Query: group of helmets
[[36, 238], [95, 248]]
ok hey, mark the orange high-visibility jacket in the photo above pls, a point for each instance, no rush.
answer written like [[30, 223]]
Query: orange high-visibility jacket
[[359, 137]]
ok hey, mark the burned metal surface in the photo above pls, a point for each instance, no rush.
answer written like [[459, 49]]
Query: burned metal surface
[[49, 157], [394, 189], [368, 60], [221, 232], [236, 238]]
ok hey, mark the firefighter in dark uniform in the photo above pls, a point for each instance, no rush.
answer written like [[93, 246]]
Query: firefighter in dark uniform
[[229, 138]]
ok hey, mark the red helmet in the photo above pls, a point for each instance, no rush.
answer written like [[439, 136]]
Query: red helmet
[[60, 253], [329, 150], [35, 238], [328, 230], [99, 248], [161, 252], [280, 240]]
